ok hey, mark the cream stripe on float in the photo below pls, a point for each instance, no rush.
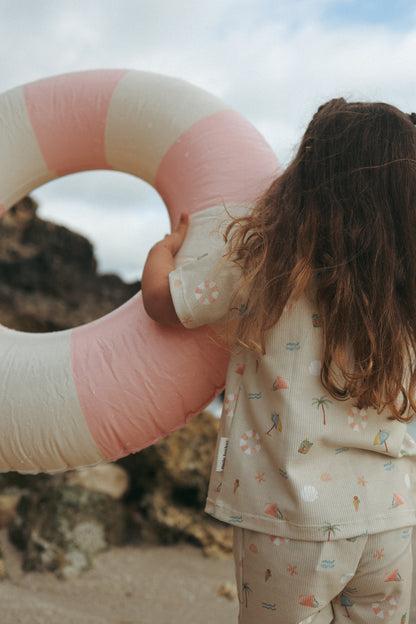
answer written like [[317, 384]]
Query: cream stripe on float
[[19, 147], [40, 414], [139, 131]]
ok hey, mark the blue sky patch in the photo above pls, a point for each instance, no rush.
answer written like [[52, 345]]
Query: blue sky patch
[[397, 14]]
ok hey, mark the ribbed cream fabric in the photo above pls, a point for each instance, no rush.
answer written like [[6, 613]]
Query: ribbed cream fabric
[[292, 461]]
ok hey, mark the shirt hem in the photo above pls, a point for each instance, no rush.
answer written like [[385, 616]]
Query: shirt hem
[[328, 530]]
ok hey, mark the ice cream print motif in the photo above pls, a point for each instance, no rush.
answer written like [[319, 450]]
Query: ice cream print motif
[[206, 292]]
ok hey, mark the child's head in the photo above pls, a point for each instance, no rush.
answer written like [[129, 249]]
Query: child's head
[[352, 150], [341, 221]]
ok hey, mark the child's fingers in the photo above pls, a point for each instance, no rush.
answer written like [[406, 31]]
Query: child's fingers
[[182, 227], [175, 240]]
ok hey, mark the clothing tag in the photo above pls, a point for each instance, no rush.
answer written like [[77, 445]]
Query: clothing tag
[[222, 454]]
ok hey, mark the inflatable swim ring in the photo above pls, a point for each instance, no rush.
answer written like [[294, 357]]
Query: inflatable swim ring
[[250, 442], [103, 390], [357, 419]]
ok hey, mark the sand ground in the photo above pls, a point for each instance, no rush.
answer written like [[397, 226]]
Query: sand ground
[[129, 585]]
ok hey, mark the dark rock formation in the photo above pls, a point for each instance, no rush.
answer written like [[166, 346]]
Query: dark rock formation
[[169, 482], [48, 282], [60, 528], [48, 275]]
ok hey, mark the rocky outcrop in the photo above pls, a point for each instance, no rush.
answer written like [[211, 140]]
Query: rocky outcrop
[[60, 527], [49, 281], [48, 275], [169, 482]]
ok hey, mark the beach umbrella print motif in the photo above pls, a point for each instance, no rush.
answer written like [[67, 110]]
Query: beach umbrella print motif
[[381, 438], [277, 423]]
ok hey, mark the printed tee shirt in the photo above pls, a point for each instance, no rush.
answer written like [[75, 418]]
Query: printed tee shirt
[[291, 461]]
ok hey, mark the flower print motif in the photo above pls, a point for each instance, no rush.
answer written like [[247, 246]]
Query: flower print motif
[[292, 570], [186, 320], [236, 485], [240, 368], [267, 575], [381, 438], [260, 478], [277, 423], [177, 283], [356, 502], [321, 402], [207, 292], [330, 529], [361, 481]]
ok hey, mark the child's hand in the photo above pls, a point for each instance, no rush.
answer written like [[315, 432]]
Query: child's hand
[[155, 279], [174, 241]]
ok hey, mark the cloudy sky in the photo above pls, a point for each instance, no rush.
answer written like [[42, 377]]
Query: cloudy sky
[[273, 60]]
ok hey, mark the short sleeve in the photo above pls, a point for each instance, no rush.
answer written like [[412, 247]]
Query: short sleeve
[[204, 283]]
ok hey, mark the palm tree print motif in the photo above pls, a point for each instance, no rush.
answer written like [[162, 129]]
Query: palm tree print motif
[[246, 591], [330, 529], [322, 402]]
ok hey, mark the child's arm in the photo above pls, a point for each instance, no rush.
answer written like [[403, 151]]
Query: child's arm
[[156, 295]]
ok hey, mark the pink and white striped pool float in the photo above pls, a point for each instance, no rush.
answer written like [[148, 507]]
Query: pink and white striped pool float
[[100, 391]]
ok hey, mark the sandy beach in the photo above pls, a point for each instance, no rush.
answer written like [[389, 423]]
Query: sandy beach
[[129, 585]]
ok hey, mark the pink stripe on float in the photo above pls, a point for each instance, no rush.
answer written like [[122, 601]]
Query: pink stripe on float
[[68, 114], [138, 381], [220, 159]]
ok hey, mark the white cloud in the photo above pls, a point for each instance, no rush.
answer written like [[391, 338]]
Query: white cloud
[[273, 60]]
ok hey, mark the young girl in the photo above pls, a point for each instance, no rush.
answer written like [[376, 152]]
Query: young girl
[[314, 466]]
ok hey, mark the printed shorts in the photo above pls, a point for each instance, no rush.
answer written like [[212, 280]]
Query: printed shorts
[[362, 580]]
